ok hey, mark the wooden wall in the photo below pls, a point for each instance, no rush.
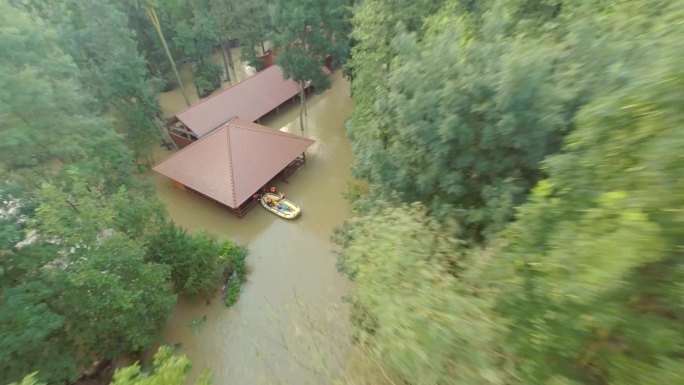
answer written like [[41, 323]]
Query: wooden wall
[[179, 140]]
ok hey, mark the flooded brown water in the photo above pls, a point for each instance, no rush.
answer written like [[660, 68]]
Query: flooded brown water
[[286, 327]]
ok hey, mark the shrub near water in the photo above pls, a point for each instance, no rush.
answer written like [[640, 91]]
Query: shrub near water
[[198, 262], [236, 269]]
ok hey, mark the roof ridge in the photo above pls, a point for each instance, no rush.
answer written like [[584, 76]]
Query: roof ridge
[[219, 126], [227, 89], [271, 131], [230, 169], [210, 133]]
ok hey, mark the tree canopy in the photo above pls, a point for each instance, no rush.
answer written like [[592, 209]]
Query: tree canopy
[[168, 369], [522, 224], [308, 32], [76, 285]]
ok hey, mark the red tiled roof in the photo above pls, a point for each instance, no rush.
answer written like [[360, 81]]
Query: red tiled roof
[[250, 99], [234, 161]]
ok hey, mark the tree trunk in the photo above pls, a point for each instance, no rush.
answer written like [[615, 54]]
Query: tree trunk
[[165, 133], [155, 23], [306, 112], [230, 59], [225, 60], [263, 49], [194, 76], [302, 108]]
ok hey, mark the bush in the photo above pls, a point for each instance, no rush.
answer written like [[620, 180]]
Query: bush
[[207, 77], [235, 271], [196, 263], [250, 57], [232, 292]]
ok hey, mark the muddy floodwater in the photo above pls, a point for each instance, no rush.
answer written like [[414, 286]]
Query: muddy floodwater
[[288, 326]]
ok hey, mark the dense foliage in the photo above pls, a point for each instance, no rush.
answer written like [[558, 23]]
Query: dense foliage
[[308, 32], [596, 252], [193, 31], [76, 283], [467, 136], [522, 222], [72, 266], [109, 65], [412, 306], [197, 262], [168, 369], [577, 282]]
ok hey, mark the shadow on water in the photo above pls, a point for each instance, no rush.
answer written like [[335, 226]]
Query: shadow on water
[[281, 330]]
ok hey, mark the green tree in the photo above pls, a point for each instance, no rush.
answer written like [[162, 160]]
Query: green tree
[[506, 80], [466, 138], [248, 22], [169, 369], [584, 287], [222, 14], [374, 25], [116, 302], [46, 116], [196, 35], [592, 269], [81, 283], [196, 262], [72, 249], [413, 302], [31, 328], [307, 31], [109, 64], [150, 8]]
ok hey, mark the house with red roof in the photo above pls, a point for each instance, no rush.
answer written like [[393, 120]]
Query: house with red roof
[[234, 161], [250, 100]]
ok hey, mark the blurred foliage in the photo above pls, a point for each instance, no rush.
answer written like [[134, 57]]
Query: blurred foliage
[[578, 102], [168, 369], [504, 85], [418, 304], [591, 271]]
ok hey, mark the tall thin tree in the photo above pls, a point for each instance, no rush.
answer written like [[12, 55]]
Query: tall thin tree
[[149, 6]]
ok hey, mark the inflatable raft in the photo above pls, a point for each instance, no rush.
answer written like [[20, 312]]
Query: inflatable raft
[[280, 207]]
